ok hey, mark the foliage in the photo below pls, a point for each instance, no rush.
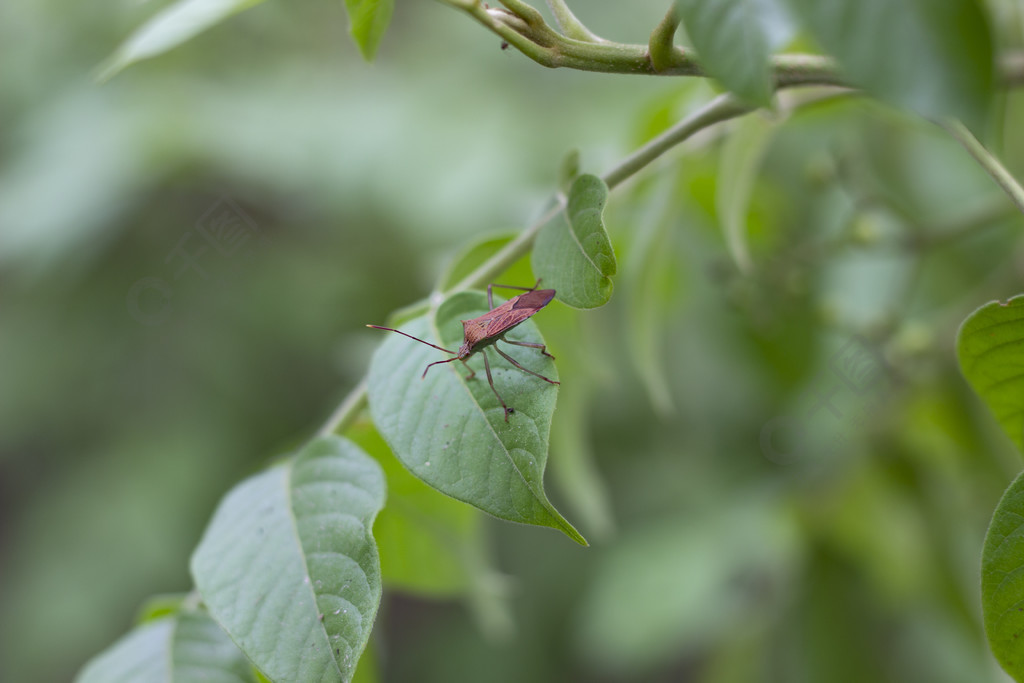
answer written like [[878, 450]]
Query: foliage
[[759, 425]]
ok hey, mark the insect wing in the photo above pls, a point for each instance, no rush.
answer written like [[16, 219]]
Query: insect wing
[[506, 316], [516, 310]]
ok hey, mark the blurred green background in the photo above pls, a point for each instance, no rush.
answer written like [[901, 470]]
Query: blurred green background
[[851, 556]]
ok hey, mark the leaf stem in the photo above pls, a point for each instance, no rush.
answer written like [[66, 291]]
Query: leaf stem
[[719, 109], [661, 45], [347, 412], [569, 24], [987, 161]]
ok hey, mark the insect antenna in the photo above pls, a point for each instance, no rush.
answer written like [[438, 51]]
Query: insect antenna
[[391, 329]]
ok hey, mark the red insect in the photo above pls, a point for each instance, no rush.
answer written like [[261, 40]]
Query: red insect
[[490, 328]]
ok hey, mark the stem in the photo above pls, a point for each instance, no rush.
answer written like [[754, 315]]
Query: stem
[[569, 24], [719, 109], [661, 46], [507, 255], [346, 413], [987, 161]]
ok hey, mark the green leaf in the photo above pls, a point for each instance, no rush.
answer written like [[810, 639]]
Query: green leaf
[[732, 44], [573, 254], [368, 20], [288, 566], [1002, 581], [990, 347], [187, 647], [934, 58], [171, 27], [742, 155], [160, 606], [427, 541], [451, 432]]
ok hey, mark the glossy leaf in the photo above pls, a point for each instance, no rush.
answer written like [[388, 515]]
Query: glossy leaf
[[1002, 581], [990, 347], [368, 20], [171, 27], [934, 58], [451, 431], [188, 646], [732, 43], [573, 254], [288, 566]]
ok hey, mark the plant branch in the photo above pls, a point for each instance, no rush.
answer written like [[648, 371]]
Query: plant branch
[[661, 45], [568, 24], [987, 161], [720, 109], [347, 412], [523, 27]]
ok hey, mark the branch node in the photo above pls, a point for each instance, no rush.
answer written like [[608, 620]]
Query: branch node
[[661, 49]]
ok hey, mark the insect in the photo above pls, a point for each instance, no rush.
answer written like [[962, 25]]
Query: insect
[[490, 328]]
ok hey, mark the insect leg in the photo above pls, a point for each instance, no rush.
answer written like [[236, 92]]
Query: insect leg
[[436, 363], [472, 372], [514, 362], [522, 289], [487, 368], [543, 349]]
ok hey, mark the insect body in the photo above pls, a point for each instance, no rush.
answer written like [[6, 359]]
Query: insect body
[[490, 328]]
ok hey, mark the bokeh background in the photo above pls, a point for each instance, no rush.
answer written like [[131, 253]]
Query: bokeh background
[[848, 554]]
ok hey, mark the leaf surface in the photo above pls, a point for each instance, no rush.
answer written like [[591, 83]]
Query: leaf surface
[[573, 254], [1002, 581], [990, 348], [185, 647], [427, 541], [368, 20], [169, 28], [732, 42], [934, 58], [451, 432], [288, 565]]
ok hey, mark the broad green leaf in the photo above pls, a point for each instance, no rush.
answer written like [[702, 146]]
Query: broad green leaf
[[368, 20], [731, 38], [935, 58], [741, 162], [451, 432], [288, 565], [183, 648], [427, 541], [990, 347], [573, 254], [171, 27], [1002, 581]]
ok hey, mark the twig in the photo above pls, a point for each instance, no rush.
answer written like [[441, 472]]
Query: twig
[[987, 161]]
